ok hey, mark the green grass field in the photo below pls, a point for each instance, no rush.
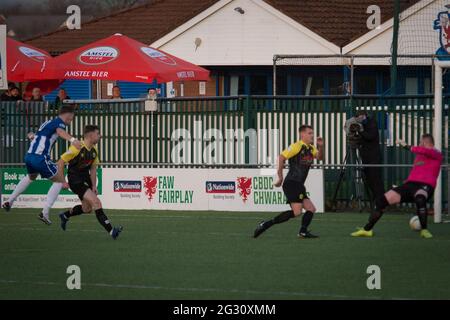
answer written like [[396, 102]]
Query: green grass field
[[211, 255]]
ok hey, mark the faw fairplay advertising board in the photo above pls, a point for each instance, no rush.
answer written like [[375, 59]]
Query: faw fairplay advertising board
[[201, 189]]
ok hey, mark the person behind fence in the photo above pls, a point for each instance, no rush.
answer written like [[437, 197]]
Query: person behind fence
[[82, 177], [370, 153], [36, 95], [62, 95], [301, 155], [38, 161], [116, 93], [418, 187], [13, 94], [7, 94], [152, 94]]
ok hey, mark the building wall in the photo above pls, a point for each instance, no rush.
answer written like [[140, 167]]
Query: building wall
[[230, 38], [192, 88], [75, 89], [238, 49]]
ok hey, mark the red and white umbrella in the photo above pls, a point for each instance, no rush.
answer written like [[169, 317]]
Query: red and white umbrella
[[25, 62], [119, 57]]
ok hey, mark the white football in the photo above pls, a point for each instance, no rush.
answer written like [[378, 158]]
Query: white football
[[414, 223]]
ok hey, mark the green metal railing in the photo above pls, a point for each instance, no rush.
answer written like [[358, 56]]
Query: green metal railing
[[222, 126]]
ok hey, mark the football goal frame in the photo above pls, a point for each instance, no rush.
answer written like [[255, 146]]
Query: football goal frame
[[439, 67]]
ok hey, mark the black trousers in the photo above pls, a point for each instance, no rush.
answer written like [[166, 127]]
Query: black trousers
[[374, 181]]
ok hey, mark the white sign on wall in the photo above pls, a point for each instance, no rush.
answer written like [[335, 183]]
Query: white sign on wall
[[3, 65], [202, 88], [201, 189]]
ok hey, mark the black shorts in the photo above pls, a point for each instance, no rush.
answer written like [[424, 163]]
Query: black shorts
[[295, 192], [79, 187], [408, 190]]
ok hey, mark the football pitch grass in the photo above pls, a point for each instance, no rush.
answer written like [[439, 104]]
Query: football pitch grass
[[212, 255]]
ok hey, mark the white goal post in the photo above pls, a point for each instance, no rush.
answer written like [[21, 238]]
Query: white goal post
[[416, 59], [439, 65]]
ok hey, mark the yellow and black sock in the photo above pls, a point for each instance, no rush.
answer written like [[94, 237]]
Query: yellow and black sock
[[75, 211], [282, 217], [103, 220], [306, 221]]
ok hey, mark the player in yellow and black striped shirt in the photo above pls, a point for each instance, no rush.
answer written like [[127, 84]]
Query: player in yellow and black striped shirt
[[300, 155], [82, 176]]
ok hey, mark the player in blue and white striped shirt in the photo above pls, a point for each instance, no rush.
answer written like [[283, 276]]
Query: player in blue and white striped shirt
[[38, 160]]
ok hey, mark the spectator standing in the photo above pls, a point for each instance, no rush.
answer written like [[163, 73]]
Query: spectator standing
[[116, 93], [15, 94], [152, 94], [7, 94], [36, 94], [62, 95]]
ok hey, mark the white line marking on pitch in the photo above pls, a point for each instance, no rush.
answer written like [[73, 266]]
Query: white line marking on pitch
[[239, 291]]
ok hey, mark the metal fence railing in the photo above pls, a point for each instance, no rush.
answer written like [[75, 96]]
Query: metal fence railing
[[230, 131]]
